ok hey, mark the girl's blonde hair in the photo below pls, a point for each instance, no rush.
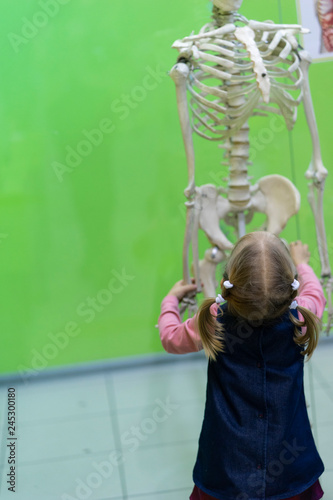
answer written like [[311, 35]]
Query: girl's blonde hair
[[261, 269]]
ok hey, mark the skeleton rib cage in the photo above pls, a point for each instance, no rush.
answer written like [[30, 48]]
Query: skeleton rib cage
[[222, 73]]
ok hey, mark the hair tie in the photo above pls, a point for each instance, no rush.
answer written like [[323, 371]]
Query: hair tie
[[219, 299], [295, 285], [293, 305], [227, 284]]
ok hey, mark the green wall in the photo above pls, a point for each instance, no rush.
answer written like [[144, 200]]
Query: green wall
[[93, 172]]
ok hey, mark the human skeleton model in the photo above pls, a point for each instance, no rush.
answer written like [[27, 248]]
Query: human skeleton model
[[234, 69], [324, 10]]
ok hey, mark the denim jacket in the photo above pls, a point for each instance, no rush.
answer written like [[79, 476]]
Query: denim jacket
[[256, 441]]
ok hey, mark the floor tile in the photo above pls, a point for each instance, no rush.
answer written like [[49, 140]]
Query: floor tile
[[139, 387], [3, 396], [160, 469], [66, 480], [182, 494], [325, 445], [155, 425], [46, 441], [309, 378], [322, 377], [320, 408], [66, 397], [326, 481], [322, 362]]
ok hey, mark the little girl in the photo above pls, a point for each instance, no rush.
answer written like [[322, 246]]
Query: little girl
[[256, 441]]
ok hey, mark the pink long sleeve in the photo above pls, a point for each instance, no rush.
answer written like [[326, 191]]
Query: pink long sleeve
[[178, 337], [311, 293]]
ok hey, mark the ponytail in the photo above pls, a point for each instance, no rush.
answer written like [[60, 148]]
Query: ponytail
[[311, 336], [208, 327]]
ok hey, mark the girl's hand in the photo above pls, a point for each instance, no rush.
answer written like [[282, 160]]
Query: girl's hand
[[299, 253], [179, 290]]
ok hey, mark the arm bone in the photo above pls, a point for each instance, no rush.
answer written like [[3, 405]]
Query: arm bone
[[179, 74]]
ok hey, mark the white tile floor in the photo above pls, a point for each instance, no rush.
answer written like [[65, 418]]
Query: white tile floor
[[130, 434]]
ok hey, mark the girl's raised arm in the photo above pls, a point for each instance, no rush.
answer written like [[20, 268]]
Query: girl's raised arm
[[311, 293], [178, 337]]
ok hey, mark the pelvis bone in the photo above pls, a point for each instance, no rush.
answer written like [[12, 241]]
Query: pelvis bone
[[279, 199], [276, 196], [213, 207]]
